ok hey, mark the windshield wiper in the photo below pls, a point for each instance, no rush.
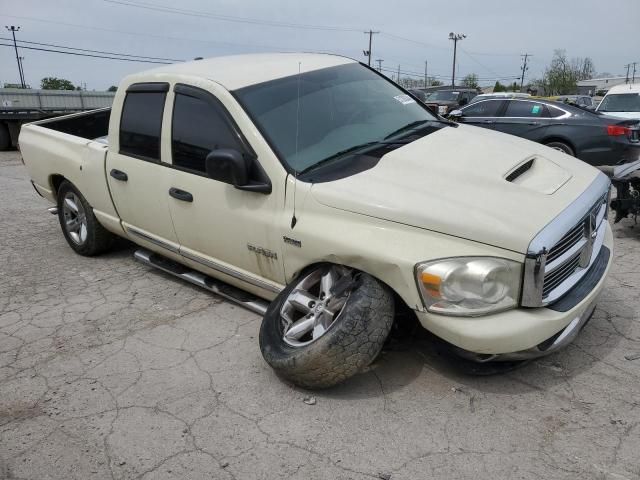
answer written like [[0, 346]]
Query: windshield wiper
[[346, 151]]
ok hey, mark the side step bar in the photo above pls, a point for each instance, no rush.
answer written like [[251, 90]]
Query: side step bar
[[228, 292]]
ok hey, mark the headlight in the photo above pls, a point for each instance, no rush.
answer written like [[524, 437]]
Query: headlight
[[469, 286]]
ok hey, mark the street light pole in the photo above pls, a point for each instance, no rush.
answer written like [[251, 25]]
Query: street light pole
[[13, 29], [455, 37]]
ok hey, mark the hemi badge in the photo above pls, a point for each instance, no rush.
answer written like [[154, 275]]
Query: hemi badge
[[292, 241]]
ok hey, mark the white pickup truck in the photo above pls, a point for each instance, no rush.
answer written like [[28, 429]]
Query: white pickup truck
[[318, 185]]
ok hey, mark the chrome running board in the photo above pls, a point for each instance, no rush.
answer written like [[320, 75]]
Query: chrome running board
[[242, 298]]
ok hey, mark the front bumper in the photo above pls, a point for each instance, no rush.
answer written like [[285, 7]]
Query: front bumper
[[521, 333]]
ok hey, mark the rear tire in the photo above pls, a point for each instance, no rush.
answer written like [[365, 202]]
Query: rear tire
[[348, 342], [563, 147], [5, 138], [81, 229]]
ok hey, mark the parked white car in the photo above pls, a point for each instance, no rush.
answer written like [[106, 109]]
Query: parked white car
[[622, 101], [318, 185]]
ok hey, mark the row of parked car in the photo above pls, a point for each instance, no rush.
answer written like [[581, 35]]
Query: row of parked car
[[606, 134]]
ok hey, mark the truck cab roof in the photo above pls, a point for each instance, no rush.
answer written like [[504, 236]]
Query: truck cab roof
[[237, 71]]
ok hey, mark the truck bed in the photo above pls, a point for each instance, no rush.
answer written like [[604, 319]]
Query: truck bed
[[72, 147]]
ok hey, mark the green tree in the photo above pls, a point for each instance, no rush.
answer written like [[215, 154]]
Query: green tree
[[498, 87], [470, 81], [53, 83], [435, 83], [562, 75], [112, 88]]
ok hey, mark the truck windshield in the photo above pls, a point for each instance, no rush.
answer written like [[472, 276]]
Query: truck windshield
[[443, 96], [336, 109], [621, 102]]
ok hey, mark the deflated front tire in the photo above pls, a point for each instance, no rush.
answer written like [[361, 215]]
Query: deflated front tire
[[326, 326]]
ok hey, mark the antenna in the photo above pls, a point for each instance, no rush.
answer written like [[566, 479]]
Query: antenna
[[294, 220]]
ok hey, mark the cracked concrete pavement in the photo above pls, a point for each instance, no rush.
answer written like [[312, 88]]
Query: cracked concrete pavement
[[109, 369]]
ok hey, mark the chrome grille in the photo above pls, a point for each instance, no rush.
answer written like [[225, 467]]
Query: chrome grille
[[560, 274], [566, 243], [557, 274], [560, 255]]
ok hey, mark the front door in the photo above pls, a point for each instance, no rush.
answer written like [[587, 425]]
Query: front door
[[137, 178], [231, 232]]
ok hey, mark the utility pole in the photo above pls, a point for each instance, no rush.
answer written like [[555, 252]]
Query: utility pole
[[379, 60], [633, 79], [13, 29], [455, 37], [398, 79], [21, 66], [367, 53], [524, 68], [426, 66], [627, 66]]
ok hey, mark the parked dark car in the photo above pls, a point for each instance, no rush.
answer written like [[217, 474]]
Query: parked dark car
[[419, 94], [592, 137], [443, 101]]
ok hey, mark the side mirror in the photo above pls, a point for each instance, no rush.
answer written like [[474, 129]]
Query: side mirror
[[227, 165], [455, 114], [463, 102]]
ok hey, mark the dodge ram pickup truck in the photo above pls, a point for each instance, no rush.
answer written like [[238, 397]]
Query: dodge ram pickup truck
[[312, 189]]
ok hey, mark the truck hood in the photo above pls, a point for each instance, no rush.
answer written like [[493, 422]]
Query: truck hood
[[468, 182]]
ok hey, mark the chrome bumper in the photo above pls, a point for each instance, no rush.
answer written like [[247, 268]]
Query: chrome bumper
[[557, 342]]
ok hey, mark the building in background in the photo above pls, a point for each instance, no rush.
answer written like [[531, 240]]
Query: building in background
[[599, 86]]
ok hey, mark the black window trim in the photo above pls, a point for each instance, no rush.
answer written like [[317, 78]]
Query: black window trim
[[145, 87], [245, 147]]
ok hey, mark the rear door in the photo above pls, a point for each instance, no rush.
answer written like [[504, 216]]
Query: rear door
[[482, 113], [137, 178], [524, 118]]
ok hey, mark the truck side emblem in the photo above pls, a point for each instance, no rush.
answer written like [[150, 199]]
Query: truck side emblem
[[262, 251], [292, 241]]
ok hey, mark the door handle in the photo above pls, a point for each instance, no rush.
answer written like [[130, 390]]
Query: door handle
[[534, 123], [180, 195], [489, 121], [119, 175]]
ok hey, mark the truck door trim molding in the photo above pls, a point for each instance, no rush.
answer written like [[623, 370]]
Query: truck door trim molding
[[151, 239], [232, 272]]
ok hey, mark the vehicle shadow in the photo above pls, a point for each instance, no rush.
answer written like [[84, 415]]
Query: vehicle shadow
[[423, 357]]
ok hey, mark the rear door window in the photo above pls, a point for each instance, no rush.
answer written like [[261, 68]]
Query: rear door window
[[520, 109], [141, 124], [483, 108]]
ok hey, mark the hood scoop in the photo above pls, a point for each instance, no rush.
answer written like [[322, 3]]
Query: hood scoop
[[538, 174]]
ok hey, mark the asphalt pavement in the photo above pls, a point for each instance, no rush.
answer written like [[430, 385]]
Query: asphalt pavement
[[112, 370]]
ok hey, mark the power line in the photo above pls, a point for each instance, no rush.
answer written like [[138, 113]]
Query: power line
[[227, 18], [96, 51], [87, 54]]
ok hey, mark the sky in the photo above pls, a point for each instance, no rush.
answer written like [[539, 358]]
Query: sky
[[411, 32]]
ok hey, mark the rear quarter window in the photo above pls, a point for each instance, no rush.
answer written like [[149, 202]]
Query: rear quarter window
[[141, 124]]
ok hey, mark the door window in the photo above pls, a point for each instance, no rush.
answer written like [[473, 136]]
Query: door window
[[483, 108], [517, 108], [141, 124], [198, 127]]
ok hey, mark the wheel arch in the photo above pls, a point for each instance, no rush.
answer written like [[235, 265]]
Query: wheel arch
[[560, 139], [401, 303], [55, 181]]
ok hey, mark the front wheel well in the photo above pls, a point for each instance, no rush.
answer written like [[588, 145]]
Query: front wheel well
[[403, 312]]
